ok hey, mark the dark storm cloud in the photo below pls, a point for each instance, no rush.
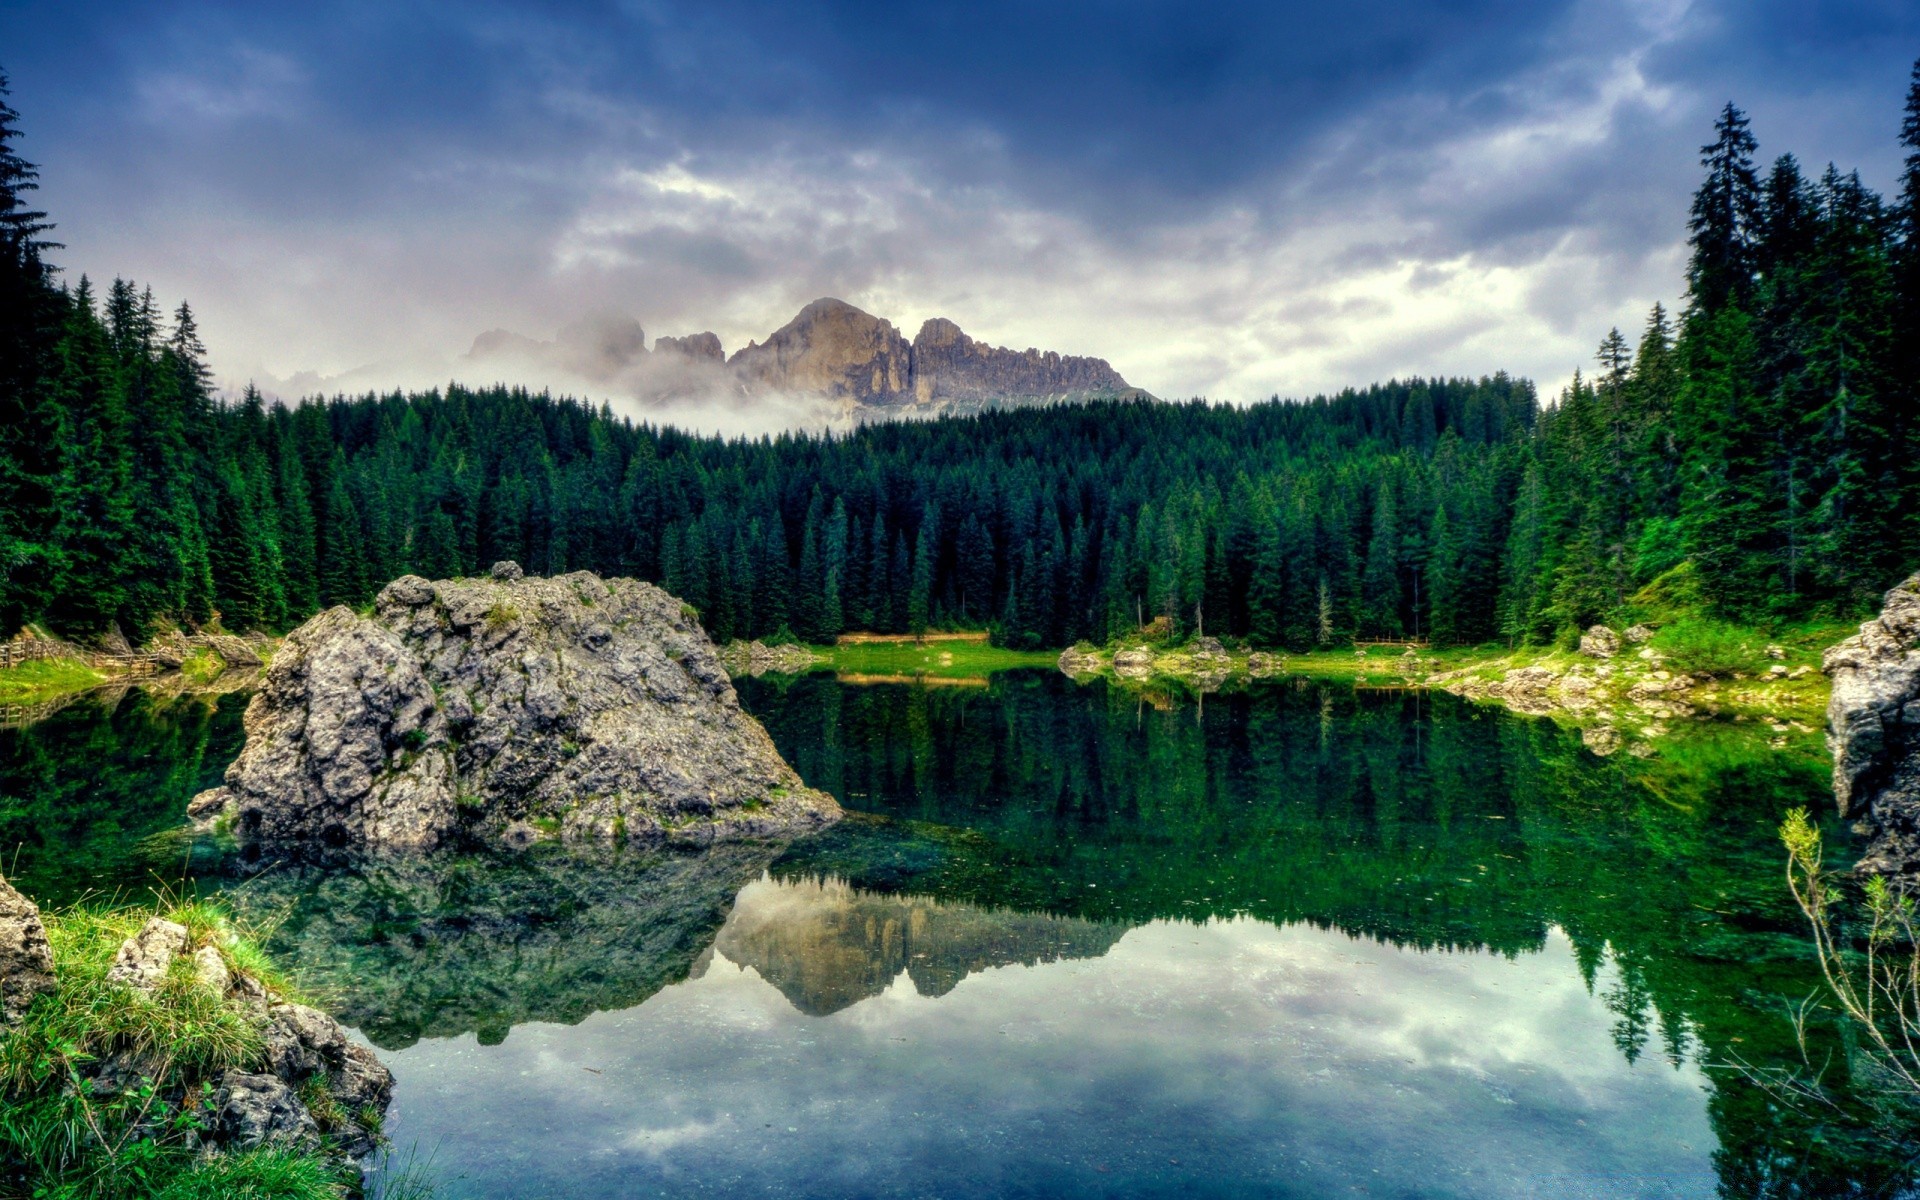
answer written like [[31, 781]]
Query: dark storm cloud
[[1231, 199]]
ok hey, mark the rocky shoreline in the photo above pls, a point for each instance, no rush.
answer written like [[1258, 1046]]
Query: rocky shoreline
[[1621, 692], [1873, 730], [304, 1086]]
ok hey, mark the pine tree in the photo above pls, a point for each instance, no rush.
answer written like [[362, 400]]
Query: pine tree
[[1725, 217]]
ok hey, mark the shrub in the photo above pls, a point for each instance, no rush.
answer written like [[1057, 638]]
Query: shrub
[[1870, 961], [1704, 646]]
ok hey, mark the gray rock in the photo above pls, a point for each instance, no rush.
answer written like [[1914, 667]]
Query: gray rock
[[1134, 663], [143, 959], [26, 960], [362, 1085], [1638, 634], [1075, 661], [597, 707], [211, 970], [362, 1081], [302, 1042], [1599, 642], [506, 571], [250, 1111], [1873, 730]]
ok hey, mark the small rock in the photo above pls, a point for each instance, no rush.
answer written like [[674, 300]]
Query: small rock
[[1777, 671], [259, 1110], [1800, 672], [144, 958], [362, 1081], [1776, 651], [1135, 662], [1599, 642], [507, 571], [410, 591], [302, 1041], [1639, 634], [205, 804], [211, 970], [26, 959]]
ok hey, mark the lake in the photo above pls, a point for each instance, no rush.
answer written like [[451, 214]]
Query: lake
[[1300, 940]]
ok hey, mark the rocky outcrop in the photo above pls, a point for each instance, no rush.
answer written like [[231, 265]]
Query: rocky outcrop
[[26, 958], [953, 371], [697, 346], [507, 709], [835, 350], [313, 1088], [1873, 730]]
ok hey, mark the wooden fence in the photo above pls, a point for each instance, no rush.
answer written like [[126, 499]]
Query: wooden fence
[[26, 650]]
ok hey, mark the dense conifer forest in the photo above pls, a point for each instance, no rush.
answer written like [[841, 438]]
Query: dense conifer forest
[[1760, 449]]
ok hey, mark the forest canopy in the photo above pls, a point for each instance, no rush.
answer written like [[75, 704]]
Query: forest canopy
[[1759, 451]]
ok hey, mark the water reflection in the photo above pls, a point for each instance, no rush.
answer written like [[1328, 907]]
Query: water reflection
[[442, 945], [1225, 1058], [826, 946]]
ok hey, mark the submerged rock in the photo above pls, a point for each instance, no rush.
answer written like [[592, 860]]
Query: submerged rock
[[1873, 729], [578, 706], [26, 958]]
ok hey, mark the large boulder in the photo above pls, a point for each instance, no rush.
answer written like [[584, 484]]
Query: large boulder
[[586, 707], [1873, 729], [26, 958]]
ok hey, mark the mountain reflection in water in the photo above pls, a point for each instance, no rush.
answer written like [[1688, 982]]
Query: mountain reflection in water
[[827, 946]]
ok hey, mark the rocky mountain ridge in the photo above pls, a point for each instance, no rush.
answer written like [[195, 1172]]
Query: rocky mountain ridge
[[861, 365]]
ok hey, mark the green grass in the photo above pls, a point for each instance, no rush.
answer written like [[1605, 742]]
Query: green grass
[[940, 660], [203, 666], [76, 1142], [46, 678]]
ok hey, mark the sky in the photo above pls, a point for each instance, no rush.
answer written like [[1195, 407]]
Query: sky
[[1224, 200]]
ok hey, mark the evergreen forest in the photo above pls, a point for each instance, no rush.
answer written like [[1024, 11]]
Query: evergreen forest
[[1758, 449]]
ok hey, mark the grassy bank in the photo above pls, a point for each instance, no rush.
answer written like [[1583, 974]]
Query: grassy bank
[[66, 1131], [46, 678]]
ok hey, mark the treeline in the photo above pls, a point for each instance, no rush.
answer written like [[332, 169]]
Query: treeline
[[1765, 445]]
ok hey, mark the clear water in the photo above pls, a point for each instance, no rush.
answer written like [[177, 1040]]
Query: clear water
[[1298, 941]]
